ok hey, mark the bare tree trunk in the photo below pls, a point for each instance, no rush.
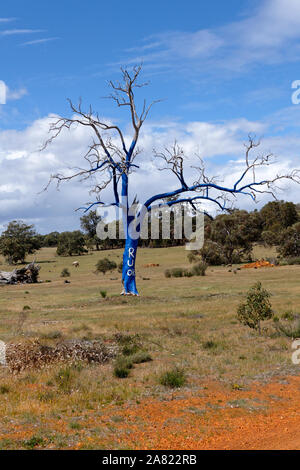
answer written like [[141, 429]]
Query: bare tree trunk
[[27, 275]]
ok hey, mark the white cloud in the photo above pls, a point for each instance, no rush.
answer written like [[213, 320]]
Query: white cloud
[[15, 94], [13, 32], [38, 41], [7, 20], [270, 35]]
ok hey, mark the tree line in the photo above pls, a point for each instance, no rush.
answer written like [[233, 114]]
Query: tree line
[[229, 238]]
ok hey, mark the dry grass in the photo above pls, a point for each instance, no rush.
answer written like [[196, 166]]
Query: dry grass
[[175, 320]]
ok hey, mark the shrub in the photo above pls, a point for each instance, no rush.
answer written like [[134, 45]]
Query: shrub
[[177, 272], [129, 349], [122, 367], [65, 273], [140, 357], [210, 344], [291, 330], [256, 308], [33, 442], [199, 269], [188, 273], [104, 265], [4, 389], [103, 294], [174, 378]]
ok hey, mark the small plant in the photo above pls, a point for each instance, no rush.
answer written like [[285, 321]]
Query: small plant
[[290, 316], [104, 265], [210, 344], [33, 442], [256, 308], [103, 294], [130, 348], [75, 425], [4, 389], [65, 273], [291, 330], [64, 379], [168, 273], [174, 378], [122, 367], [141, 357]]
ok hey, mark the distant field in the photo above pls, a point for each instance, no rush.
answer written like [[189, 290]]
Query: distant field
[[175, 319]]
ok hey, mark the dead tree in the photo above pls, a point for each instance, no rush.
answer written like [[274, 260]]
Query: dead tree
[[27, 275]]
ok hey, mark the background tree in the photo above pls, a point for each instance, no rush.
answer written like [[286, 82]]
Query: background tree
[[18, 241], [111, 159], [89, 224], [235, 234], [277, 216], [71, 243], [289, 244], [51, 239], [104, 265]]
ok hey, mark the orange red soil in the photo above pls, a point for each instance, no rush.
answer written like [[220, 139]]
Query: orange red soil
[[214, 417]]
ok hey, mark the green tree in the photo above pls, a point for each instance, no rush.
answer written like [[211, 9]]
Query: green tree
[[277, 216], [235, 233], [51, 239], [71, 243], [19, 240], [289, 243], [89, 224]]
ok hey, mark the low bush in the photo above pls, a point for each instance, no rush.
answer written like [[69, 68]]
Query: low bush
[[65, 273], [104, 265], [291, 330], [103, 294], [198, 269], [122, 367], [174, 378], [140, 357]]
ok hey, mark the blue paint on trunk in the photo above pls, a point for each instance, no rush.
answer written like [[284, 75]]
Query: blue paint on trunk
[[128, 273]]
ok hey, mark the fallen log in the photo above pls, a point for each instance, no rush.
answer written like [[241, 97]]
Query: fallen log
[[27, 275]]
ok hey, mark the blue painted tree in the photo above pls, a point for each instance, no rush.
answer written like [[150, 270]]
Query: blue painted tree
[[110, 162]]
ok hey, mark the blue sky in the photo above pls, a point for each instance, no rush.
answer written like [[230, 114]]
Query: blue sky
[[222, 68]]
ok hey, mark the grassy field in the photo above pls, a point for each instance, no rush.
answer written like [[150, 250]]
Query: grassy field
[[188, 323]]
